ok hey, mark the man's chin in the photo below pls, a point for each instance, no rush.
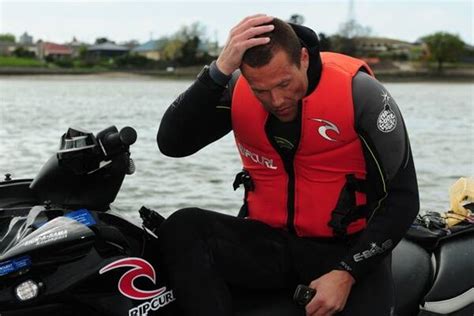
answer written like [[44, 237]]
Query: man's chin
[[285, 118]]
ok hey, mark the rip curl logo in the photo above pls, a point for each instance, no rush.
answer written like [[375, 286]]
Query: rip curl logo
[[140, 268], [156, 303], [322, 130], [387, 120], [264, 161]]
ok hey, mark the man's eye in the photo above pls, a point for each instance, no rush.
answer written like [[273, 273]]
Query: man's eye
[[284, 84]]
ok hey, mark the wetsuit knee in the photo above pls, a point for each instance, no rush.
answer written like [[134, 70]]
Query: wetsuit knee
[[182, 227]]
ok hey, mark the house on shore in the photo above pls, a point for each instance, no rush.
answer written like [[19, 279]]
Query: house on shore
[[382, 46], [106, 50], [53, 51], [151, 49]]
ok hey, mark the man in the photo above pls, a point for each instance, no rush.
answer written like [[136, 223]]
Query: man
[[330, 185]]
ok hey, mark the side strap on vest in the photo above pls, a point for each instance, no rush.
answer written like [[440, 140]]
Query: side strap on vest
[[346, 210], [244, 178]]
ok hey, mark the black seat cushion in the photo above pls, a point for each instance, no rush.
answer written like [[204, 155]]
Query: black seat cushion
[[455, 272], [412, 274]]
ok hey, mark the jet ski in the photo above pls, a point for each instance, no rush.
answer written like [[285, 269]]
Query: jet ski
[[63, 251]]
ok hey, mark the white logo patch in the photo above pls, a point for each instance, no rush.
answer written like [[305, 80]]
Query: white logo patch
[[322, 130], [387, 120]]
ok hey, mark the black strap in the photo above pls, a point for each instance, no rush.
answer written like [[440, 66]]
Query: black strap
[[346, 210], [244, 178]]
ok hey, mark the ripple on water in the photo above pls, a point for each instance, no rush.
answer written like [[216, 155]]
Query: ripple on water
[[35, 112]]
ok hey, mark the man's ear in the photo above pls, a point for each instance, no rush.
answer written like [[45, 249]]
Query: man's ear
[[304, 59]]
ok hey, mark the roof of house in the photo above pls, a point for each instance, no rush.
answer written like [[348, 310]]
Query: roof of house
[[56, 49], [382, 40], [108, 47], [153, 45]]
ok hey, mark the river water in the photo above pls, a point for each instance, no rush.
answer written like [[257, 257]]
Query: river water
[[36, 111]]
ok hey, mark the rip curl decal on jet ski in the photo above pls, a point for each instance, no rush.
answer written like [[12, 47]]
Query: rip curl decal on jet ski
[[140, 268]]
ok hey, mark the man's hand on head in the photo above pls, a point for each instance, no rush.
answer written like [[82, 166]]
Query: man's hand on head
[[241, 38], [332, 291]]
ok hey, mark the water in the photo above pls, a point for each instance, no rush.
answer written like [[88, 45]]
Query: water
[[36, 111]]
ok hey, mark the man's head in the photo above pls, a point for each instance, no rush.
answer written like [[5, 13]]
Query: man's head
[[276, 71]]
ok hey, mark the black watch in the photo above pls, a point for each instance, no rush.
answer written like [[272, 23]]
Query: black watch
[[218, 76], [203, 73]]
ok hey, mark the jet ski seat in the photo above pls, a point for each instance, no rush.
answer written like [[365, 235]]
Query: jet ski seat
[[454, 258], [412, 273]]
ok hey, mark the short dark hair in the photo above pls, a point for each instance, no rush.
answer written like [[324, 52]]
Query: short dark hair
[[282, 37]]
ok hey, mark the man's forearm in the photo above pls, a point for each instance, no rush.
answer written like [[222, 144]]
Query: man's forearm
[[199, 116]]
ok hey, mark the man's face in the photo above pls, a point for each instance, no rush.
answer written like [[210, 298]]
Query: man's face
[[280, 84]]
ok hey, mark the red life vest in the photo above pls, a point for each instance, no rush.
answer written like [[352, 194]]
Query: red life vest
[[328, 150]]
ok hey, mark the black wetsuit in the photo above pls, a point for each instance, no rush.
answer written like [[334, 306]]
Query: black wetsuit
[[204, 251]]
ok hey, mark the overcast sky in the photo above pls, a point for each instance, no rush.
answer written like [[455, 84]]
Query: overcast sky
[[59, 21]]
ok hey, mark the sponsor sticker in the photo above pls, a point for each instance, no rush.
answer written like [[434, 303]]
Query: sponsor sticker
[[374, 250], [387, 120], [139, 267], [82, 216], [47, 237], [13, 265]]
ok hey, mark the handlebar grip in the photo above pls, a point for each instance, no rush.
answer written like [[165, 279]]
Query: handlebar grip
[[114, 141], [128, 136]]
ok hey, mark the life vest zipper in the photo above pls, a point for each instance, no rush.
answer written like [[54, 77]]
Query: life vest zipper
[[290, 172]]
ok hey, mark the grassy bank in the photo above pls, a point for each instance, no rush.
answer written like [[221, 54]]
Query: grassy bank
[[14, 62], [399, 73]]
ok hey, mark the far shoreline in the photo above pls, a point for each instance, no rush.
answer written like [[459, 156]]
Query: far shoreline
[[192, 72]]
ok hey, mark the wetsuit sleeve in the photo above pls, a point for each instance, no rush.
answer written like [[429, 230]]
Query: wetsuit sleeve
[[199, 116], [390, 168]]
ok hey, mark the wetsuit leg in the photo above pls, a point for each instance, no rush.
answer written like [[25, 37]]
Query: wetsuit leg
[[374, 294], [203, 252]]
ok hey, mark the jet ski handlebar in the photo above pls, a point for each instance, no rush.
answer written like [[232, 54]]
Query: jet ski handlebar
[[113, 141]]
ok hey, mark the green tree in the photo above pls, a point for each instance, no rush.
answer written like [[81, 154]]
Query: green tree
[[183, 46], [296, 19], [444, 47], [353, 29], [346, 40], [7, 37], [102, 40], [324, 42], [23, 53], [343, 45], [172, 50]]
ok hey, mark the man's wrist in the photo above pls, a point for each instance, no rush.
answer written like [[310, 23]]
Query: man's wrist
[[342, 266], [350, 277], [218, 76]]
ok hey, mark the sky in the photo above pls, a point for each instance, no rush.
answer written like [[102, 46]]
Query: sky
[[58, 21]]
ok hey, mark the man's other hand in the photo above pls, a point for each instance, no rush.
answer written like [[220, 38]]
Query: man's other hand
[[332, 291], [241, 38]]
